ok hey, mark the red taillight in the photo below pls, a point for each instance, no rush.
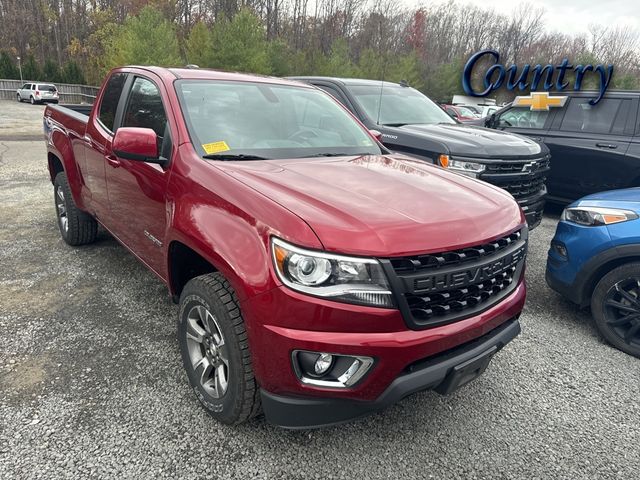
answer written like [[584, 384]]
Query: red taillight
[[37, 92]]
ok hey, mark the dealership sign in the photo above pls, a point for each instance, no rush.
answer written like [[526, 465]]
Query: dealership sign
[[539, 77]]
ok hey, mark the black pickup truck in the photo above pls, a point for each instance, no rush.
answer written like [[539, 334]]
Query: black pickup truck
[[411, 123], [594, 148]]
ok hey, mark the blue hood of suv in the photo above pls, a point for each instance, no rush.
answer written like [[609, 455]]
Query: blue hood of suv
[[626, 195]]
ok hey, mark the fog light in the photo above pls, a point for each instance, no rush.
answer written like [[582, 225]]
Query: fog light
[[323, 363], [330, 369], [560, 249]]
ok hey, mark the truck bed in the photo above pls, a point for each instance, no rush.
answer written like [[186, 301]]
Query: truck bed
[[71, 118]]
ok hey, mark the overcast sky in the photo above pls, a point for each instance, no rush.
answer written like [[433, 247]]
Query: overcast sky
[[570, 16]]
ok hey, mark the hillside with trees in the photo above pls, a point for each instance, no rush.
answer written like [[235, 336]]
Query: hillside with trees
[[78, 41]]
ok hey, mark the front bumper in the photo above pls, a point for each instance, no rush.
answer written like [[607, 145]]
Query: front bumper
[[443, 373], [533, 210], [281, 321]]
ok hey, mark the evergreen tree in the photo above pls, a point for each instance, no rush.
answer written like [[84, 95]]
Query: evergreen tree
[[30, 69], [240, 44], [51, 72], [8, 68], [199, 46], [71, 73], [146, 39]]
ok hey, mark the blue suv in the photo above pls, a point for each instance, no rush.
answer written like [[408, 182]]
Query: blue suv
[[594, 260]]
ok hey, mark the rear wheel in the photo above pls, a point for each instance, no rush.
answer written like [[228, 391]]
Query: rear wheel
[[76, 227], [615, 305], [215, 349], [33, 101]]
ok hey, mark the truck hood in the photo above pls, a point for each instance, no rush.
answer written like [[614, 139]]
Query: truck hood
[[473, 141], [382, 205]]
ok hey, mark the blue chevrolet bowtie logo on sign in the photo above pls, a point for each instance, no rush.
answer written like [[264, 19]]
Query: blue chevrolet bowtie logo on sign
[[539, 101]]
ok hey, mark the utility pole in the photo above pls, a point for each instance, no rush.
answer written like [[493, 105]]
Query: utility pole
[[20, 68]]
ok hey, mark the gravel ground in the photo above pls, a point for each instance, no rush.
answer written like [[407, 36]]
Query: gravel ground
[[92, 384]]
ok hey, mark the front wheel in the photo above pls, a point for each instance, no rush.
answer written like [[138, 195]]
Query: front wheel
[[76, 227], [19, 98], [615, 306], [215, 350]]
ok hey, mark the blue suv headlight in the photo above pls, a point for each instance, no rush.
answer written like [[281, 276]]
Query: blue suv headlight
[[597, 216]]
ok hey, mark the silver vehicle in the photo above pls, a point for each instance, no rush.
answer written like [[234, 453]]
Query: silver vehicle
[[38, 93]]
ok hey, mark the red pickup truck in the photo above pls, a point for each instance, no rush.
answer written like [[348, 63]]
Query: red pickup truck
[[319, 278]]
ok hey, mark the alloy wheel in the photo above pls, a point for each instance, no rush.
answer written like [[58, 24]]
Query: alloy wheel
[[207, 351], [61, 208], [622, 310]]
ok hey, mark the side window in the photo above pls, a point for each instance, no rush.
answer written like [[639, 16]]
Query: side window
[[599, 118], [110, 99], [522, 118], [26, 86], [144, 108], [33, 86]]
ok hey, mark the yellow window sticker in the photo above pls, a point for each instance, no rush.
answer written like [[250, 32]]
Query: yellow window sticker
[[215, 147]]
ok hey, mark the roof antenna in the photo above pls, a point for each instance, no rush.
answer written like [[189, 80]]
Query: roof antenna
[[380, 98]]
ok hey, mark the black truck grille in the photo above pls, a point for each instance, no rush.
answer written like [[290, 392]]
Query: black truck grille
[[440, 288], [522, 178], [529, 166], [524, 187]]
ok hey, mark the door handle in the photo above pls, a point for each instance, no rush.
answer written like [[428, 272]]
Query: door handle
[[606, 145], [113, 161]]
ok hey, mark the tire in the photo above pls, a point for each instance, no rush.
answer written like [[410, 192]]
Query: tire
[[19, 98], [33, 101], [76, 227], [615, 305], [210, 315]]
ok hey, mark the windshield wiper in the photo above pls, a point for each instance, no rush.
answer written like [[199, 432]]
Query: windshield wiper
[[233, 156], [342, 154], [394, 124]]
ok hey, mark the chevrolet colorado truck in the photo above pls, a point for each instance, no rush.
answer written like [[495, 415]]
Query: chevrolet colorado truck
[[410, 123], [319, 277]]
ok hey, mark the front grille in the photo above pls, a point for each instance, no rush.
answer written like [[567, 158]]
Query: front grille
[[454, 257], [444, 287], [524, 166], [521, 178], [524, 187]]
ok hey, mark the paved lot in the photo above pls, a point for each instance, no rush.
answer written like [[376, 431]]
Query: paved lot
[[91, 383]]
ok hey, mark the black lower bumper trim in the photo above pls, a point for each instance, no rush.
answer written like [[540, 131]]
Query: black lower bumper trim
[[442, 373]]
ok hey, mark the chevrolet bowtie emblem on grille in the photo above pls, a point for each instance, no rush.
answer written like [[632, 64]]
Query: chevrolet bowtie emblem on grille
[[528, 167], [539, 101]]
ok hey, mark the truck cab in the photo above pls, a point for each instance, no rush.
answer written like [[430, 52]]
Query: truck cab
[[412, 124], [593, 148]]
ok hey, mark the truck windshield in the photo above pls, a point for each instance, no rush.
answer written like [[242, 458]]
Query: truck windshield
[[252, 121], [396, 106]]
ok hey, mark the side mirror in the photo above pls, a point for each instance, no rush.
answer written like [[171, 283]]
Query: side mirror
[[376, 134], [490, 122], [138, 144]]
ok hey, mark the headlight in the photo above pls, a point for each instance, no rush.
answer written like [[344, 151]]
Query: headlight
[[472, 169], [347, 279], [596, 216]]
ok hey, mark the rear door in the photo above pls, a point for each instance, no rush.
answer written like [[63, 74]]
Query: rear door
[[589, 144], [137, 190]]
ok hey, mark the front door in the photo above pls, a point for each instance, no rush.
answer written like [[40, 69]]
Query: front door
[[589, 147], [137, 189]]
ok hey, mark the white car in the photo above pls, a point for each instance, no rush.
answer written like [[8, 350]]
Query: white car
[[38, 93]]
